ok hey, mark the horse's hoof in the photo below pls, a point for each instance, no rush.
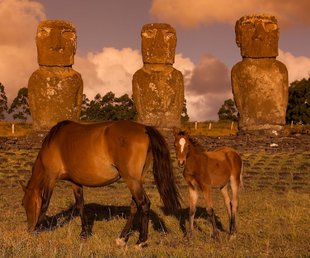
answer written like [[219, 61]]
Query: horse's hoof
[[85, 234], [215, 236], [120, 242], [141, 245], [188, 235]]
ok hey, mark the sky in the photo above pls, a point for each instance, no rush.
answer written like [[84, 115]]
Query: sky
[[109, 43]]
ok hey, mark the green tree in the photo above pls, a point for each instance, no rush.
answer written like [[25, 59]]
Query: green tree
[[84, 107], [3, 102], [124, 108], [109, 107], [228, 111], [298, 109], [20, 107], [184, 115]]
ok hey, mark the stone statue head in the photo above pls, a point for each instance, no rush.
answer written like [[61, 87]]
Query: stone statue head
[[257, 36], [56, 43], [158, 43]]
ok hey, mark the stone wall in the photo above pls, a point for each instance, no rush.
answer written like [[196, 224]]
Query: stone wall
[[242, 143]]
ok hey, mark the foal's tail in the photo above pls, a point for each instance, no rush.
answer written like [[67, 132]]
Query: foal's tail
[[241, 176], [162, 170]]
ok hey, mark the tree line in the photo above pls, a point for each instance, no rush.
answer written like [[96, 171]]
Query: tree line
[[110, 107]]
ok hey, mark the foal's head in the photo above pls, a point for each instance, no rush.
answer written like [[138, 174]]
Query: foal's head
[[181, 145], [32, 203]]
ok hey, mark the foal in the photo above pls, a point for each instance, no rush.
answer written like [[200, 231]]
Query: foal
[[205, 169]]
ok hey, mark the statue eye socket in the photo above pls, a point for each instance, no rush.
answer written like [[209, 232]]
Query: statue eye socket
[[169, 36], [44, 32], [149, 34], [270, 27], [69, 35]]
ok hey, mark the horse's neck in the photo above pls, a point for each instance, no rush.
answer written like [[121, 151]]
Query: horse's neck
[[36, 181], [195, 150]]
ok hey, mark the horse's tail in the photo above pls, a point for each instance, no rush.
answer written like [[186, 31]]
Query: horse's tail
[[53, 132], [162, 170]]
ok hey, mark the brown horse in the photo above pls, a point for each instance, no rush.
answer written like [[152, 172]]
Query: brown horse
[[205, 169], [98, 155]]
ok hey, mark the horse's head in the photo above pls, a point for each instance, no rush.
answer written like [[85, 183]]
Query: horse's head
[[181, 145], [32, 203]]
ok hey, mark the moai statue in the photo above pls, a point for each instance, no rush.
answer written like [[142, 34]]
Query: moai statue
[[55, 90], [158, 88], [259, 81]]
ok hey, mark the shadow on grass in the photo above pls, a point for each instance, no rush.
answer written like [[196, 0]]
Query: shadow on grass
[[200, 213], [96, 212]]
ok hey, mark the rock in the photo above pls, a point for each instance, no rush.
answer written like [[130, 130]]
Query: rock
[[55, 90], [259, 81], [158, 88]]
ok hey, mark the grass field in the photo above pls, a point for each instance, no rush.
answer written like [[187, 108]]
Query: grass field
[[11, 129], [273, 219]]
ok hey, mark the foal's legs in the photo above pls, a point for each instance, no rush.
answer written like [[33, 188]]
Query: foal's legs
[[224, 191], [210, 211], [234, 183], [193, 197], [79, 202]]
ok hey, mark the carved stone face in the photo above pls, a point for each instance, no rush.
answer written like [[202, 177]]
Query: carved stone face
[[257, 36], [158, 43], [56, 43]]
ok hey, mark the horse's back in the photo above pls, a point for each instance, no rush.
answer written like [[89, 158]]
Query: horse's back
[[221, 164], [92, 154]]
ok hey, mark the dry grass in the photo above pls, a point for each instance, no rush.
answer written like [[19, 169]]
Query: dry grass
[[272, 222], [212, 128], [20, 129]]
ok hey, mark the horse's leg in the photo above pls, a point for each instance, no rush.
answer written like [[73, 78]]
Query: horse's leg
[[46, 197], [79, 202], [193, 198], [143, 204], [234, 183], [210, 211], [224, 191], [122, 240]]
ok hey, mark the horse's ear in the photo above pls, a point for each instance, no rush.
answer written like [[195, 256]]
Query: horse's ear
[[187, 130], [22, 185], [175, 130]]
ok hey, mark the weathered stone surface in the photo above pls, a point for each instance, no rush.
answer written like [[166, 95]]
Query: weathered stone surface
[[55, 94], [158, 88], [56, 43], [257, 36], [260, 88], [55, 90], [259, 81]]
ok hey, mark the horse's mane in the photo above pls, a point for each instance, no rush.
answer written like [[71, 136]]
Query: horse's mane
[[196, 144], [51, 134]]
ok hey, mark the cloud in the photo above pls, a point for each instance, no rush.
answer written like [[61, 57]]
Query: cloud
[[298, 67], [18, 24], [185, 66], [208, 88], [110, 69], [192, 13]]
